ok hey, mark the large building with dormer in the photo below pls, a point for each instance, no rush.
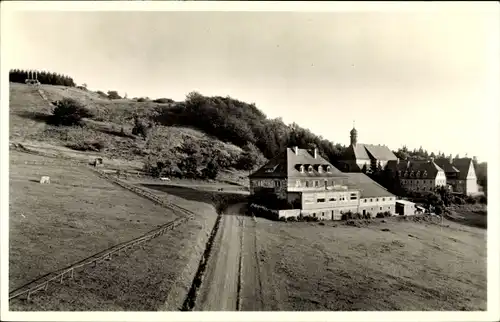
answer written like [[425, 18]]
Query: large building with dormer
[[303, 176]]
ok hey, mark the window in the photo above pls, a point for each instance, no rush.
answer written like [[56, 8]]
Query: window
[[316, 183], [380, 208], [333, 199], [277, 183], [329, 169], [307, 184], [297, 184], [301, 169], [310, 169], [321, 200], [371, 200], [365, 200], [377, 199], [354, 196], [383, 199], [425, 174], [320, 168]]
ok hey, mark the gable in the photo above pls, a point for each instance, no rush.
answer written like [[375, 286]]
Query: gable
[[471, 173]]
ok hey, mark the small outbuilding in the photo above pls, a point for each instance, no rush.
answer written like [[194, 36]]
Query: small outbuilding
[[405, 208]]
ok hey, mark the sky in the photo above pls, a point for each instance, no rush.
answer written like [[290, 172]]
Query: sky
[[427, 78]]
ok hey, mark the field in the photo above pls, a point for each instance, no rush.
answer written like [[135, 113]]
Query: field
[[80, 214], [396, 265]]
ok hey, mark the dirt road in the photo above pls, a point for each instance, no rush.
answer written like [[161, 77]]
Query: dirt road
[[231, 281]]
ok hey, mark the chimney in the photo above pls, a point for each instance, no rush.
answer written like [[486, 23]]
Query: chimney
[[296, 150], [397, 161], [451, 160], [315, 153]]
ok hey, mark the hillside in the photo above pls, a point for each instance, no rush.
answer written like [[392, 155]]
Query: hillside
[[29, 113]]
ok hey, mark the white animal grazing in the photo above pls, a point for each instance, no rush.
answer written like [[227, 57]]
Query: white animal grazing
[[45, 179]]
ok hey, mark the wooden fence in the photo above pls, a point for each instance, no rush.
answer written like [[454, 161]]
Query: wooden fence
[[42, 284]]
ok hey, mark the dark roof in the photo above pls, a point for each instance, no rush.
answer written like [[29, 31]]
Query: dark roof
[[463, 165], [287, 164], [446, 166], [368, 188], [430, 167], [369, 151]]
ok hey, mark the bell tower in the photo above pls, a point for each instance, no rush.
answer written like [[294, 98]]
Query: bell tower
[[354, 135]]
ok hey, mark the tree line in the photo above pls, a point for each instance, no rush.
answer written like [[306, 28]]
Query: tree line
[[44, 77]]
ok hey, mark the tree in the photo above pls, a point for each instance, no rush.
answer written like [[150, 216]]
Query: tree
[[113, 95], [211, 170], [69, 112]]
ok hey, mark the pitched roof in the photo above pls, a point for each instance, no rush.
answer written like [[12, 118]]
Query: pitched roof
[[430, 167], [368, 187], [288, 162], [446, 166], [380, 152], [463, 165], [369, 151]]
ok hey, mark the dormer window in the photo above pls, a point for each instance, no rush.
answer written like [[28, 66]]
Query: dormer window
[[412, 174], [418, 174], [310, 169], [425, 174], [399, 173], [329, 169], [301, 169], [320, 168]]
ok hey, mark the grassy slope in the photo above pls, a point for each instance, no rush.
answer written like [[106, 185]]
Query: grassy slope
[[411, 267], [28, 111], [79, 214]]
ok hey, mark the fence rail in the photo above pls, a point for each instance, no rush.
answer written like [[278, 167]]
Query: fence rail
[[42, 283]]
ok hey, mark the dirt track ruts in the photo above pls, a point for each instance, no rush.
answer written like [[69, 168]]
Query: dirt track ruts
[[229, 285]]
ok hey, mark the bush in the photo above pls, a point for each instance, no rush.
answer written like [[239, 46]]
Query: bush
[[87, 146], [113, 95], [69, 112], [292, 218], [471, 200], [380, 215], [164, 100], [139, 128], [483, 199], [141, 99]]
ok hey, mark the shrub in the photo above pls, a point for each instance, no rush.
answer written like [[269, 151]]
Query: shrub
[[102, 94], [87, 146], [292, 218], [471, 200], [69, 112], [483, 199], [458, 200], [163, 100], [211, 170], [139, 128], [141, 99], [113, 95], [380, 215]]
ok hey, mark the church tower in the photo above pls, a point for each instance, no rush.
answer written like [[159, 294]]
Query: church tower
[[354, 136]]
